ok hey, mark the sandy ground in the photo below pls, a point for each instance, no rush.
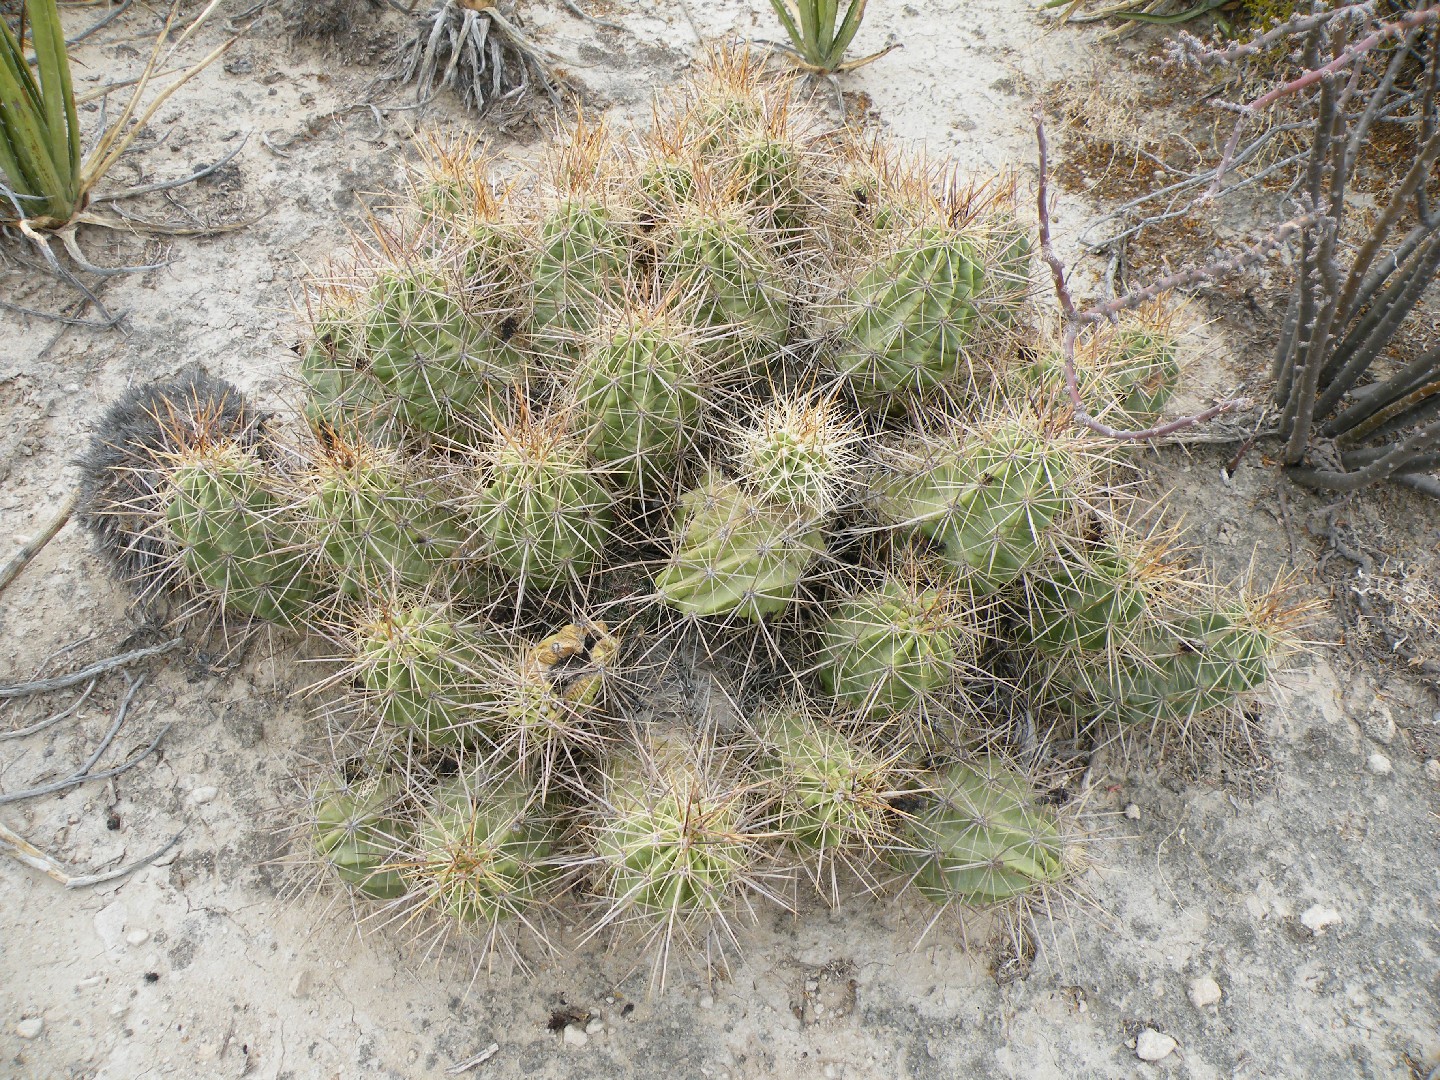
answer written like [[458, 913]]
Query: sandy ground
[[1305, 887]]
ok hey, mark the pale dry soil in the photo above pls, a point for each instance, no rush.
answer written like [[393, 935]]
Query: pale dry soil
[[203, 966]]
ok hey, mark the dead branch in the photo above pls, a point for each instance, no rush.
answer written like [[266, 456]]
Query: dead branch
[[53, 718], [83, 774], [59, 682], [1077, 321], [32, 547]]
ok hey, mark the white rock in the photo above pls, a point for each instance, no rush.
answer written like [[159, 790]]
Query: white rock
[[1318, 918], [202, 795], [595, 1026], [574, 1036], [1205, 991], [1432, 770], [30, 1027], [137, 937], [1379, 725], [1153, 1046], [707, 1001], [110, 925], [1132, 812], [1378, 764]]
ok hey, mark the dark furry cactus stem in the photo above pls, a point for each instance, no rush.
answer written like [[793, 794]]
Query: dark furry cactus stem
[[124, 471]]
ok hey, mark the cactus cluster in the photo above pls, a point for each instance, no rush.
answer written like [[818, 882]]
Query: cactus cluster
[[748, 395]]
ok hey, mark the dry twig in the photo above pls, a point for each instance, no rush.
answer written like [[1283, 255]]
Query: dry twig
[[32, 856]]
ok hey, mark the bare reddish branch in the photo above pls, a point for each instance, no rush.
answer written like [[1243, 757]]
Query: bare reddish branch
[[1047, 249]]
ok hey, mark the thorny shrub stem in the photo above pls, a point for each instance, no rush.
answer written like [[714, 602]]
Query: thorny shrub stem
[[1076, 321], [1383, 32]]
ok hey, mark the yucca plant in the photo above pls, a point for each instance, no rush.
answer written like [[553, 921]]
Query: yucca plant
[[817, 43], [39, 130], [48, 177]]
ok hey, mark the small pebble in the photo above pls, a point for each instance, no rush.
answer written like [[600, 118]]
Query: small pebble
[[300, 984], [137, 937], [595, 1026], [203, 795], [1318, 918], [30, 1027], [1153, 1046], [1205, 991], [110, 924], [1378, 764], [574, 1036], [707, 1001], [87, 983], [1432, 770], [1132, 812]]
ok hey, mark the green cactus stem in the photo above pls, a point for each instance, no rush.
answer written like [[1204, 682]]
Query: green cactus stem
[[988, 501], [638, 398], [905, 326], [891, 649], [440, 365], [581, 270], [734, 554], [420, 672], [484, 851], [378, 525], [542, 518], [983, 838], [238, 538], [831, 793], [354, 831], [672, 844]]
